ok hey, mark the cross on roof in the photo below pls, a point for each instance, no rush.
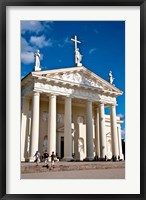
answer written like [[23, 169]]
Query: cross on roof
[[75, 41]]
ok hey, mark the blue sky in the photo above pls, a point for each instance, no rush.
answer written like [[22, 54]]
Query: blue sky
[[102, 46]]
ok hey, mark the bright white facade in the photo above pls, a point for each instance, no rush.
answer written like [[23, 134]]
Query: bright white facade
[[63, 110]]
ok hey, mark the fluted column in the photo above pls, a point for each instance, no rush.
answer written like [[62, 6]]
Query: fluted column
[[25, 108], [67, 130], [114, 131], [52, 125], [102, 131], [120, 142], [35, 125], [89, 131], [97, 141]]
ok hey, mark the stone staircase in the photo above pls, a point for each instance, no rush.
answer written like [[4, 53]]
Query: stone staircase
[[68, 166]]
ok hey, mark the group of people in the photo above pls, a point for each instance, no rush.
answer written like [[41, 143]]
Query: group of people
[[45, 158]]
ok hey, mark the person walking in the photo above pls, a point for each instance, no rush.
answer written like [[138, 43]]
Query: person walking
[[46, 155], [37, 157], [52, 160]]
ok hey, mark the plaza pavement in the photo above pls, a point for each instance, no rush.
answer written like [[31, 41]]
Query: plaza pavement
[[78, 174], [74, 170]]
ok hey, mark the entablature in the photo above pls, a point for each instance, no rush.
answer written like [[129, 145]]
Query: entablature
[[74, 92]]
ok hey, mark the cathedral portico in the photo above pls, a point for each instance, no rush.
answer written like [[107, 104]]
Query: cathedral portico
[[66, 109]]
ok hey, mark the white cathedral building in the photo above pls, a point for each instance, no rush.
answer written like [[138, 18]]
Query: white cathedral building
[[63, 110]]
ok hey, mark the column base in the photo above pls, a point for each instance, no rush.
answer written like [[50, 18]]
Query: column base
[[89, 159], [22, 159], [31, 159], [115, 158], [121, 157], [67, 158]]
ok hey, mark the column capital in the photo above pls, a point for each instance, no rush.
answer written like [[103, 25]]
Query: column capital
[[89, 101], [119, 126], [113, 105], [52, 95], [101, 102], [49, 94], [36, 93], [68, 98]]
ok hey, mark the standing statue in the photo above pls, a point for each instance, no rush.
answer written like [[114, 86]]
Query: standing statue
[[37, 60], [78, 57], [111, 78]]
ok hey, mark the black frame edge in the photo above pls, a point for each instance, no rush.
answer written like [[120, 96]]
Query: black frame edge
[[2, 101], [73, 2], [142, 97]]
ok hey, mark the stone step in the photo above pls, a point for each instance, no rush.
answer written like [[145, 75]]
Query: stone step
[[32, 168]]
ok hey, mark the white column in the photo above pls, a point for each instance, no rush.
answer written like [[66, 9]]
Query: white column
[[97, 139], [120, 142], [89, 131], [52, 125], [35, 125], [102, 131], [114, 131], [28, 136], [25, 108], [67, 130]]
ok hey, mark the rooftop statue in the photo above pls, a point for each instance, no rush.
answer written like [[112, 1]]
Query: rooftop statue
[[111, 78], [37, 60], [78, 56]]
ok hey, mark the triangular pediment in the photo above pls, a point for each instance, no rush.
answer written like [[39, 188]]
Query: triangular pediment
[[80, 76], [77, 77]]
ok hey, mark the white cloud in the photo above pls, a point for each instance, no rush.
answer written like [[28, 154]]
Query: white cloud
[[92, 50], [25, 45], [27, 57], [65, 42], [40, 41], [121, 116], [60, 45], [36, 27], [28, 50], [48, 24], [31, 26]]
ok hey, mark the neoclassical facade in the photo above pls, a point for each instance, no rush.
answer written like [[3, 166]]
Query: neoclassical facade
[[63, 110]]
